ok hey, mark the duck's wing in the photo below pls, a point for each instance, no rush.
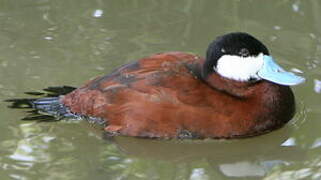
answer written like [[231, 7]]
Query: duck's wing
[[137, 90]]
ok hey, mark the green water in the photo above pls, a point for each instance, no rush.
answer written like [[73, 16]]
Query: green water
[[48, 43]]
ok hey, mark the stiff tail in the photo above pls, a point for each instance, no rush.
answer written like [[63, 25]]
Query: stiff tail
[[45, 108]]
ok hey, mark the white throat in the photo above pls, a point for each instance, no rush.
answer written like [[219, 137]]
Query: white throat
[[239, 68]]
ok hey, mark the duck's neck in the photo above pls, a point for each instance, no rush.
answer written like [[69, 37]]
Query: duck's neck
[[231, 87]]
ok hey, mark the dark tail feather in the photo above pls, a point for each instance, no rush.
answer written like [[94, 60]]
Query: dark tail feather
[[45, 108], [20, 103]]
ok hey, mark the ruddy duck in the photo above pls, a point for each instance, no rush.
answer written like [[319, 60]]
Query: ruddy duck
[[236, 91]]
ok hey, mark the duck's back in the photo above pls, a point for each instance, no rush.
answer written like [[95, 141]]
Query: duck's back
[[149, 91]]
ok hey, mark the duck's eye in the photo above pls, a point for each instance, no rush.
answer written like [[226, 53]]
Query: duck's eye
[[244, 52]]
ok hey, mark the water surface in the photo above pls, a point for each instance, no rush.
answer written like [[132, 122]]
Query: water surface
[[48, 43]]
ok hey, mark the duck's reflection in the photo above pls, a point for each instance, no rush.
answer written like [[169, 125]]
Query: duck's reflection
[[250, 157]]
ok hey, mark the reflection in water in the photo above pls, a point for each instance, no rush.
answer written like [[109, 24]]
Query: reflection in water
[[252, 157], [98, 13], [198, 173], [316, 143], [243, 169], [29, 149], [296, 6], [289, 142], [317, 86]]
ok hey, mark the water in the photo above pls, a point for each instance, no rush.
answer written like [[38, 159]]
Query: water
[[48, 43]]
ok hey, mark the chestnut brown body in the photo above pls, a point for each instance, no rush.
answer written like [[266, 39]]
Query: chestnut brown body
[[166, 95]]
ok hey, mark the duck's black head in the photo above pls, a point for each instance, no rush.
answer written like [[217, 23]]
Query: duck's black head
[[236, 44], [241, 57]]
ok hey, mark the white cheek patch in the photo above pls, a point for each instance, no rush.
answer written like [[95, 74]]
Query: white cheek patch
[[239, 68]]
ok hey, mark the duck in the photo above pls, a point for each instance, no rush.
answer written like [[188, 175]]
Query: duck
[[237, 90]]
